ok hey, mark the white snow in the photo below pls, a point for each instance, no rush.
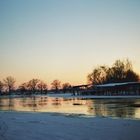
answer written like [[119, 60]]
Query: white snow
[[116, 84], [45, 126], [70, 95], [64, 95]]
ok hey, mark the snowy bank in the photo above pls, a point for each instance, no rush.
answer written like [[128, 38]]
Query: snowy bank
[[45, 126], [70, 95]]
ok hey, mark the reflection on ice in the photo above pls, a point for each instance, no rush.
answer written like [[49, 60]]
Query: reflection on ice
[[124, 108]]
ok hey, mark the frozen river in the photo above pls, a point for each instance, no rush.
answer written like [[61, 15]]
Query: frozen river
[[120, 108]]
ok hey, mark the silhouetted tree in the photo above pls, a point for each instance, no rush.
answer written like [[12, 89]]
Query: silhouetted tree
[[121, 71], [56, 84], [1, 87], [23, 87], [66, 87], [110, 75], [98, 76], [32, 85], [42, 87], [9, 83], [131, 76]]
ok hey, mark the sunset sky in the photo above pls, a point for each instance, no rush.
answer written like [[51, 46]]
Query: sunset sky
[[66, 39]]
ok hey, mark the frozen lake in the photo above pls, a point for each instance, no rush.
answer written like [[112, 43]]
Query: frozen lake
[[122, 108]]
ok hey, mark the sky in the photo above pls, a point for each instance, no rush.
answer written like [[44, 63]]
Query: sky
[[66, 39]]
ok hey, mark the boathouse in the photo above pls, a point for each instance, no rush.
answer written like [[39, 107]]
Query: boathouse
[[114, 89]]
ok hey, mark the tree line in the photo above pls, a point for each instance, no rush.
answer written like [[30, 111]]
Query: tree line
[[32, 86], [120, 71]]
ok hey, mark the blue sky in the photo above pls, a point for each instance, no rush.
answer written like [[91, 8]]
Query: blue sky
[[66, 39]]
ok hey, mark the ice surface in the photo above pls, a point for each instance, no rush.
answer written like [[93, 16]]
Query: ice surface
[[46, 126]]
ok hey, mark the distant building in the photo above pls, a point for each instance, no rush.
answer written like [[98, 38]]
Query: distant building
[[113, 89]]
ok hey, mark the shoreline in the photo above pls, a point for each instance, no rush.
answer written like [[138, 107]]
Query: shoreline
[[70, 115], [95, 96], [46, 126], [70, 96]]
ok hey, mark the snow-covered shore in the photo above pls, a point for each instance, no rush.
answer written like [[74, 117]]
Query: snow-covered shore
[[47, 126], [70, 95]]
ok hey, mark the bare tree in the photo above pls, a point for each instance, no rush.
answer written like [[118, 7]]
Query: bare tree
[[23, 87], [42, 86], [56, 84], [9, 82], [121, 71], [66, 87], [1, 87], [98, 76], [131, 76], [32, 85]]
